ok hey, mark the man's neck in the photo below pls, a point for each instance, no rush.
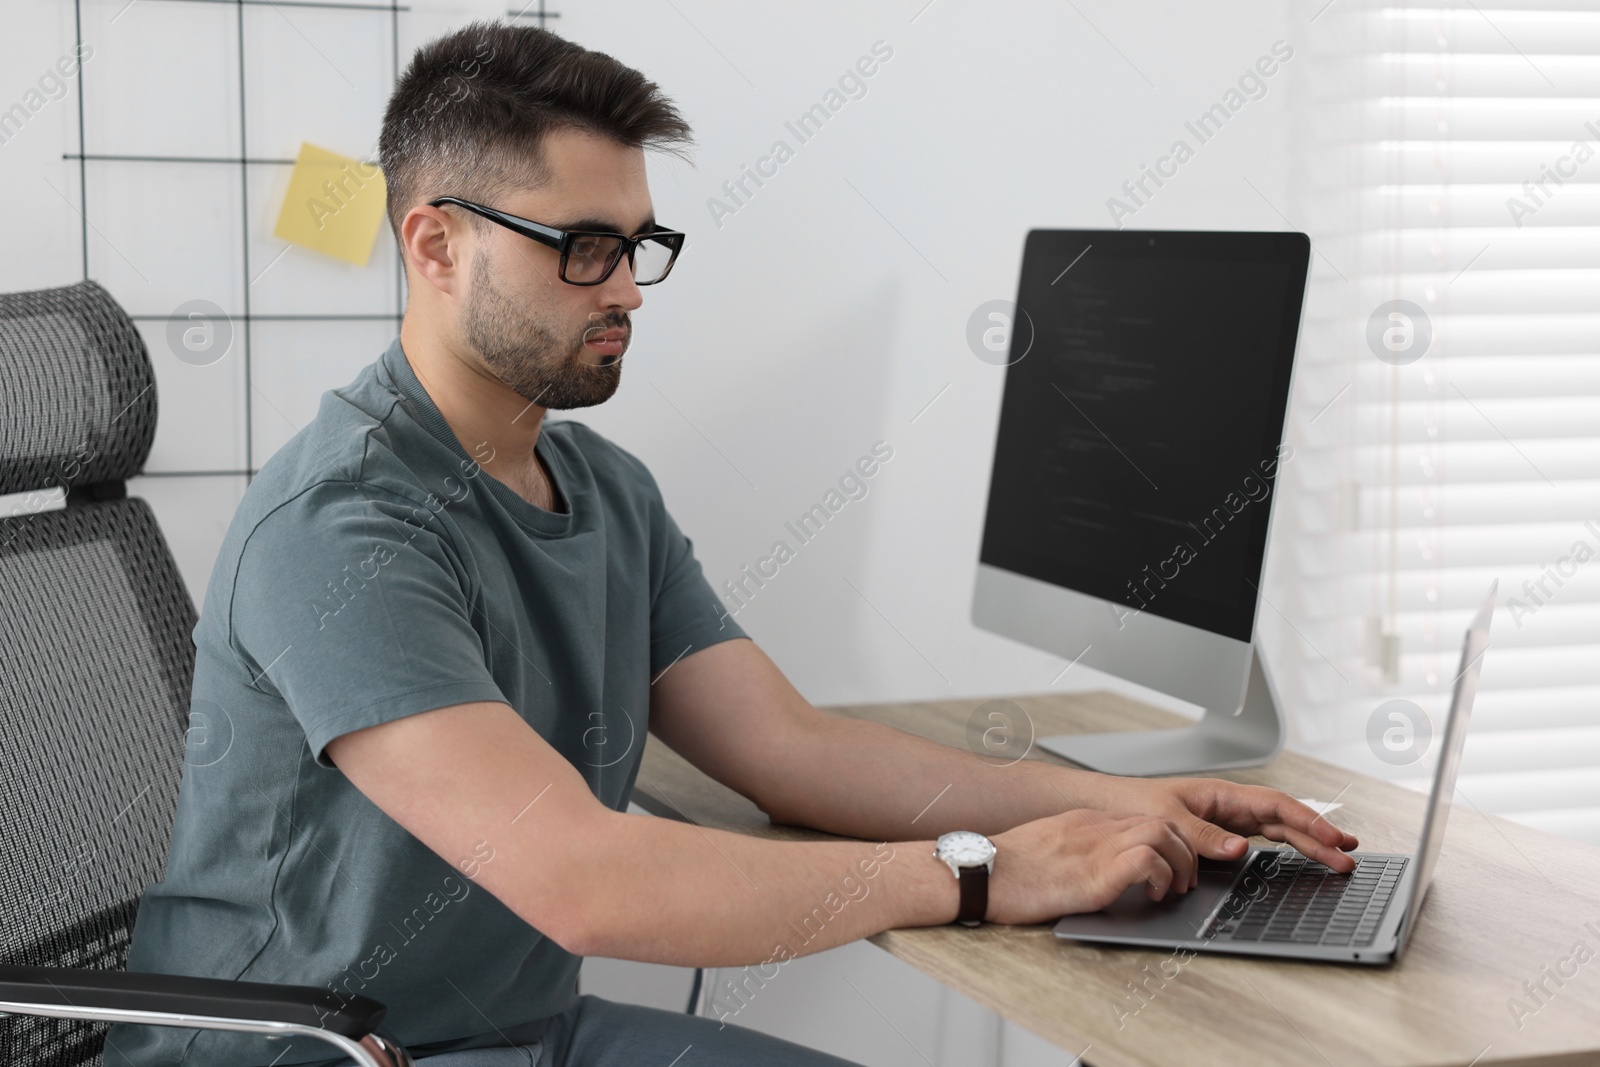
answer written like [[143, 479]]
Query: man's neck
[[496, 426]]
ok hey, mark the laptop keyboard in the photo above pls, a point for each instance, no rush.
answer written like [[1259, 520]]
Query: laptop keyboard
[[1285, 897]]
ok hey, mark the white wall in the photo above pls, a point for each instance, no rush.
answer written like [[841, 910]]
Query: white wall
[[807, 327], [823, 316]]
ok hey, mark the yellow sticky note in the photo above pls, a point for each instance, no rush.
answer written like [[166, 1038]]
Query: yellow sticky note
[[335, 205]]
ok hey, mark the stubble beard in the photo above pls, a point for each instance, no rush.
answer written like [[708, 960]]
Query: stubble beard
[[528, 355]]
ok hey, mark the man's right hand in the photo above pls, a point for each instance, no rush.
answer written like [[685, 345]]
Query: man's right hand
[[1082, 860]]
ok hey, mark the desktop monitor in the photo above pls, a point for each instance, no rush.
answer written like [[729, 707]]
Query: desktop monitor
[[1140, 438]]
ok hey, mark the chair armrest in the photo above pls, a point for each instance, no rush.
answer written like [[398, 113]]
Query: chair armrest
[[297, 1005]]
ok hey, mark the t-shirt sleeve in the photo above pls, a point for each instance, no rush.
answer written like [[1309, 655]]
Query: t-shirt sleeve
[[685, 615], [351, 605]]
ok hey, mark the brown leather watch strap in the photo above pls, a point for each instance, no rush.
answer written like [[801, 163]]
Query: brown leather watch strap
[[974, 895]]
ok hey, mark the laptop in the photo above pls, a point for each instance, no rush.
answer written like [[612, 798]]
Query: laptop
[[1276, 902]]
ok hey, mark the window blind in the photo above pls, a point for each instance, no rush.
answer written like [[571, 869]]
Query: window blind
[[1448, 157]]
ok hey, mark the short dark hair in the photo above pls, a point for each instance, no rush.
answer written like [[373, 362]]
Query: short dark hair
[[469, 115]]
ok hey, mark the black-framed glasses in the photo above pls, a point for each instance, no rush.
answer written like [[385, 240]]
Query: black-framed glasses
[[589, 256]]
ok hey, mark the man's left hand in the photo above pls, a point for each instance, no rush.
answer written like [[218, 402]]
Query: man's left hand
[[1213, 813]]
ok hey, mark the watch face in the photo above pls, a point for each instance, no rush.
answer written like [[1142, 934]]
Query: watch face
[[965, 848]]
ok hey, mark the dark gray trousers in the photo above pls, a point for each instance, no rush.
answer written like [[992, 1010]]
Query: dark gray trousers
[[601, 1033]]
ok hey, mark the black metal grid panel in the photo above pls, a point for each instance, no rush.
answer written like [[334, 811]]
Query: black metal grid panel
[[243, 161]]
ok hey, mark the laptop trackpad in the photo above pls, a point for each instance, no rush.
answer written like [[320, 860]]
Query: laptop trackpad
[[1180, 917]]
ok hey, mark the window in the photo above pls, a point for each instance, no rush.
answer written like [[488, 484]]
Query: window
[[1448, 158]]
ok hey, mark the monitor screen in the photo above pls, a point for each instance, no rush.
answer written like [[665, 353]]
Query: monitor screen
[[1142, 418]]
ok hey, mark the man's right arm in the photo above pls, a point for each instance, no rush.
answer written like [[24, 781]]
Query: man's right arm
[[475, 780]]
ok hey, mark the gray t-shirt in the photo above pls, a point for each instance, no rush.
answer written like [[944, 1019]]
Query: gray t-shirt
[[373, 571]]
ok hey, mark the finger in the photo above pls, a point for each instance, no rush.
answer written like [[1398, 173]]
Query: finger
[[1246, 809], [1310, 847], [1189, 874], [1318, 826], [1135, 861], [1164, 837], [1297, 816], [1116, 871], [1152, 868], [1328, 834], [1183, 858], [1130, 836], [1213, 841]]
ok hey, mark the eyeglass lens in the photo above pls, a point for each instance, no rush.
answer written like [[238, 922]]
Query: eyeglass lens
[[589, 258]]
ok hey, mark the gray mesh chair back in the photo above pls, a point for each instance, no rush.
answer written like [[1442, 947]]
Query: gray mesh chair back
[[96, 653]]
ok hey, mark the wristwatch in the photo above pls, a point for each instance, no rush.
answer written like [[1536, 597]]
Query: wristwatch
[[970, 858]]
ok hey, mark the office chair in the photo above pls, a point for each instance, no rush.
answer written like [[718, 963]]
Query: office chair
[[96, 661]]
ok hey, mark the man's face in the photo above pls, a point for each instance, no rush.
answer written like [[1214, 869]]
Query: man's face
[[556, 344]]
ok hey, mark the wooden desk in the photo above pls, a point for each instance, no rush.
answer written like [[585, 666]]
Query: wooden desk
[[1506, 903]]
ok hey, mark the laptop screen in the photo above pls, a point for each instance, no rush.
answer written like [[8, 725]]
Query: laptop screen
[[1444, 775]]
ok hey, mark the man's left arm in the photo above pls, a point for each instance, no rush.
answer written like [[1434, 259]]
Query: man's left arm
[[728, 710]]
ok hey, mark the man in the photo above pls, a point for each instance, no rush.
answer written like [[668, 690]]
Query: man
[[440, 627]]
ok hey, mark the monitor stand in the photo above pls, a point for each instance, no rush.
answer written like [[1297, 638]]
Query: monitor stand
[[1248, 737]]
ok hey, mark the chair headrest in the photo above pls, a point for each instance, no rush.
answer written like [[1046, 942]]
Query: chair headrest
[[77, 392]]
